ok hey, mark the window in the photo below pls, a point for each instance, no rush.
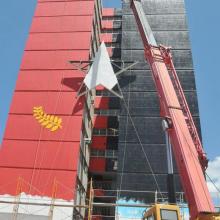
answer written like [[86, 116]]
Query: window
[[150, 217], [168, 214]]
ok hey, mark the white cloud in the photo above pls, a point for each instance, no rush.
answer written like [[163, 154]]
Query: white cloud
[[214, 173]]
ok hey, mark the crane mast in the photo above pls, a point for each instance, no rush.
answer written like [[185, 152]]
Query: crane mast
[[187, 148]]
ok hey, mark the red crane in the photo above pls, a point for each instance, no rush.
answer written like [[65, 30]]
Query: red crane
[[188, 151]]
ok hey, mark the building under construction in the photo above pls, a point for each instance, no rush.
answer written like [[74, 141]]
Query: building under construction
[[71, 156]]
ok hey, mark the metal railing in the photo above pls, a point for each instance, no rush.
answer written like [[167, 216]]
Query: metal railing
[[104, 153]]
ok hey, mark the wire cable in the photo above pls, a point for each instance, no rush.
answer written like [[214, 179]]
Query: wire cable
[[211, 180], [141, 144], [126, 133]]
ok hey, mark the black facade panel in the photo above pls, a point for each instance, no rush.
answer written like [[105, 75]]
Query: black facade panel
[[137, 107], [116, 53], [147, 103], [113, 122], [182, 58], [173, 39], [114, 103], [116, 38], [146, 185], [154, 154], [154, 7], [141, 80], [112, 142], [116, 24], [168, 22], [149, 130]]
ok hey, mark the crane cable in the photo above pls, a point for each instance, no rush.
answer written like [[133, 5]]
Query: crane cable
[[127, 106], [212, 181], [196, 158], [142, 146], [126, 133]]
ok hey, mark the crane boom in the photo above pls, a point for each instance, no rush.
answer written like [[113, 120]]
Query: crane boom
[[188, 151]]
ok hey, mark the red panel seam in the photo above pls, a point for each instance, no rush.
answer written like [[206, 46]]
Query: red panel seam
[[31, 168], [78, 49], [55, 32], [42, 2], [38, 90], [29, 114], [82, 15], [14, 139]]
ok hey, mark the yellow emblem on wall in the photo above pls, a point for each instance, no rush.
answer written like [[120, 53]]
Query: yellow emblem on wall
[[51, 122]]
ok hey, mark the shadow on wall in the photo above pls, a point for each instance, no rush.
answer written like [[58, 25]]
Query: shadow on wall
[[73, 83]]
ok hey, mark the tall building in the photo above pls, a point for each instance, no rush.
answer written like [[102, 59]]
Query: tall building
[[45, 153], [54, 142], [168, 22]]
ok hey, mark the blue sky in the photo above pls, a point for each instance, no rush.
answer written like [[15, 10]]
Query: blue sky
[[203, 20]]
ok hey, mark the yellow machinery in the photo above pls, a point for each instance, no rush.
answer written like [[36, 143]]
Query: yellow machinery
[[162, 212], [172, 212]]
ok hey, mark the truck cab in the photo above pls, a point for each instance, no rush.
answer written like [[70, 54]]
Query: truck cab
[[162, 212]]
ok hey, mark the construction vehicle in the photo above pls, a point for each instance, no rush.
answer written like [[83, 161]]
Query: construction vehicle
[[180, 129], [162, 212]]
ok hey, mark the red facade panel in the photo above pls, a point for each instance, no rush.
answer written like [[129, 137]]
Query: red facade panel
[[101, 102], [9, 180], [65, 8], [59, 0], [61, 24], [107, 24], [107, 38], [108, 12], [26, 127], [100, 88], [110, 52], [100, 122], [59, 41], [97, 217], [52, 80], [97, 164], [99, 142], [99, 192], [39, 154], [38, 60], [52, 102], [40, 180], [43, 180]]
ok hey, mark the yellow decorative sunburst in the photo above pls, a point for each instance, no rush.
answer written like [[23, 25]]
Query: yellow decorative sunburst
[[50, 122]]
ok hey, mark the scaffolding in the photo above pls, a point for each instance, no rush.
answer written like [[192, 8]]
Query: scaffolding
[[89, 207]]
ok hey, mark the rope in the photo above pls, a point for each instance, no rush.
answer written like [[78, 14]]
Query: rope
[[36, 171], [61, 137], [59, 146], [211, 180], [126, 132], [40, 135], [139, 139], [142, 147], [54, 112], [195, 157], [60, 90]]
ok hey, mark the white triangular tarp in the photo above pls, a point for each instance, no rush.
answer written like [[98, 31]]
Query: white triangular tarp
[[101, 71]]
